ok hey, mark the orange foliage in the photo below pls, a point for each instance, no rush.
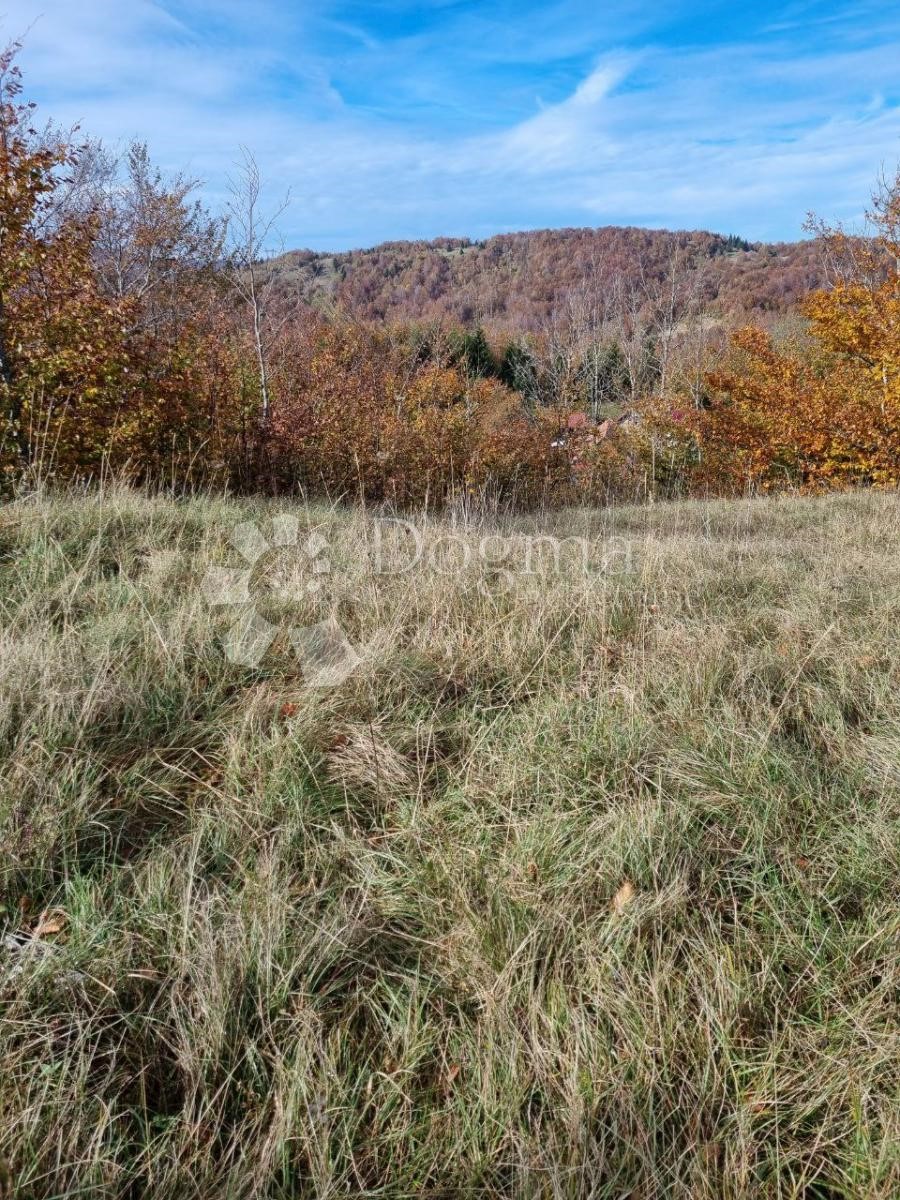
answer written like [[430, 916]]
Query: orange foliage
[[826, 419], [57, 334], [354, 417], [127, 367]]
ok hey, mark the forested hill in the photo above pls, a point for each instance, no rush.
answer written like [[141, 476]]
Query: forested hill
[[522, 281]]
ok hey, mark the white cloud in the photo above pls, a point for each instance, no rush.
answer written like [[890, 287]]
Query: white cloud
[[743, 138], [564, 133]]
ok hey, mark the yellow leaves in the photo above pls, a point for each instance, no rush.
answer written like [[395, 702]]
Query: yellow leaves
[[812, 419], [860, 322]]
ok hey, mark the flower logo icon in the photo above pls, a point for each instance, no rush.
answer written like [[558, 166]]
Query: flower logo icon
[[289, 570]]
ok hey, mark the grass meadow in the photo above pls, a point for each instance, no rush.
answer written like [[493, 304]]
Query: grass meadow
[[584, 883]]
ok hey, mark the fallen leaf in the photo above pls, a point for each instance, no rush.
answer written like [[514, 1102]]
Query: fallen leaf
[[339, 741], [288, 709], [53, 921], [623, 897]]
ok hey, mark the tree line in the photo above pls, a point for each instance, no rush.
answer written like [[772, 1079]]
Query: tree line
[[142, 335]]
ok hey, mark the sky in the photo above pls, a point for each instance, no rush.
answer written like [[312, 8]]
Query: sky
[[395, 120]]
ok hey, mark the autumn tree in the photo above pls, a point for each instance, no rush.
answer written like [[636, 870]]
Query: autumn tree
[[826, 416], [114, 343], [60, 337]]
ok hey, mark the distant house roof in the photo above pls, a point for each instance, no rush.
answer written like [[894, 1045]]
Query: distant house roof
[[578, 422]]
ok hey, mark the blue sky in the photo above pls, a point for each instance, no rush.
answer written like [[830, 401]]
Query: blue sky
[[399, 120]]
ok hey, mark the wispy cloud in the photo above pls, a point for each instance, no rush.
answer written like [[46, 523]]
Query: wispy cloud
[[563, 134], [402, 120]]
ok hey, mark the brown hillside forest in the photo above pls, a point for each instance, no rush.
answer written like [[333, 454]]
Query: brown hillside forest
[[143, 336]]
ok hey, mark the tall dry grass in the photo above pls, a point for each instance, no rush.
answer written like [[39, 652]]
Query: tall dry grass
[[584, 884]]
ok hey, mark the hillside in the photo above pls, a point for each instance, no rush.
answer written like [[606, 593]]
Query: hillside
[[522, 281], [581, 884]]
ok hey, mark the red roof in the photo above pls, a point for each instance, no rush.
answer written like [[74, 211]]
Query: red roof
[[577, 420]]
